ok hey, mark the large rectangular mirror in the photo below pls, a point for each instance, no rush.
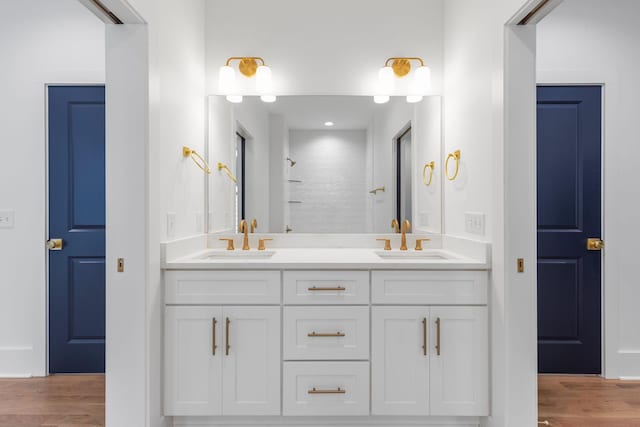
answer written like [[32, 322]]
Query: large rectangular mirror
[[324, 164]]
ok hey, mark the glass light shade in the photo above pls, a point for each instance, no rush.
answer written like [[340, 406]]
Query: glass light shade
[[412, 99], [264, 81], [386, 81], [421, 80], [227, 79], [236, 99], [268, 98], [381, 99]]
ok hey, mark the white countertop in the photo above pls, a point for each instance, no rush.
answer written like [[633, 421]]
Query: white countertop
[[325, 258]]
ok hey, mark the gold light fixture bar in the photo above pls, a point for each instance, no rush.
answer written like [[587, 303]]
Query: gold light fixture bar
[[248, 64], [402, 66]]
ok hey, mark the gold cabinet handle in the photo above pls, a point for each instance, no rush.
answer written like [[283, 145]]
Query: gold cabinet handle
[[431, 166], [214, 346], [424, 336], [261, 245], [339, 390], [226, 342], [419, 243], [456, 156], [438, 336], [315, 334], [197, 159], [387, 244], [335, 288]]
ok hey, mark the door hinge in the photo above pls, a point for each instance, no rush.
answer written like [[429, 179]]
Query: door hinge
[[120, 265], [520, 265]]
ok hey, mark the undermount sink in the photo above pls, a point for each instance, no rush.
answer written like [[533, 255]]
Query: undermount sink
[[411, 254], [237, 254]]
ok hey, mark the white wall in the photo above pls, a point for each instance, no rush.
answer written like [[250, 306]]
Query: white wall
[[42, 42], [475, 121], [177, 109], [324, 47], [596, 41], [332, 167]]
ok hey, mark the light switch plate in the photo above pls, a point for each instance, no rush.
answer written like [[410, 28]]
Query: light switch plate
[[7, 218], [474, 222], [171, 225], [424, 219]]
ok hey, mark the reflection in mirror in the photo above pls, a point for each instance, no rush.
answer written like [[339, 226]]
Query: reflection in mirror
[[324, 164]]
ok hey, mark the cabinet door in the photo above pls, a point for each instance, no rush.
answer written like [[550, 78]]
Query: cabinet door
[[459, 362], [193, 361], [251, 367], [399, 365]]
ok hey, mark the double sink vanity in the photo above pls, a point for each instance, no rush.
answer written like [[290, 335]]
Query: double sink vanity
[[316, 312], [345, 332]]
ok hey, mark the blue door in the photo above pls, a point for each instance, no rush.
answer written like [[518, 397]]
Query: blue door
[[569, 213], [77, 217]]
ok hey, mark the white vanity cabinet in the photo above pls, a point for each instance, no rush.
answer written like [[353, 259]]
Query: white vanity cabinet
[[223, 360], [429, 361], [403, 344]]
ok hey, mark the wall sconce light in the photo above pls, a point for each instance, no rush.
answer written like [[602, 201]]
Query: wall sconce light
[[248, 67], [395, 68]]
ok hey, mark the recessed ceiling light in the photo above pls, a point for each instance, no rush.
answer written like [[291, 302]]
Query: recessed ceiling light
[[328, 124]]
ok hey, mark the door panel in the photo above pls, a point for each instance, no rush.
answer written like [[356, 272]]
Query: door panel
[[569, 212], [400, 368], [77, 216], [251, 370], [459, 369], [193, 368]]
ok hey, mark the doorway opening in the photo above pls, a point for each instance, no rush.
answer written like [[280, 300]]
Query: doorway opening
[[402, 150]]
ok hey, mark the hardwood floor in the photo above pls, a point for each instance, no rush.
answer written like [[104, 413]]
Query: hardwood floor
[[78, 400], [55, 401], [571, 401]]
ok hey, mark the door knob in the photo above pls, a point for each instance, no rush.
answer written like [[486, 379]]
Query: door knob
[[595, 244], [54, 244]]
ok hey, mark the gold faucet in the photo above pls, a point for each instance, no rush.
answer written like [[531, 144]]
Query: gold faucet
[[244, 229], [406, 226], [254, 225], [395, 225]]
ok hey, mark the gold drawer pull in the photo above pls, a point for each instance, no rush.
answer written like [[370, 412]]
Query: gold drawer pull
[[226, 344], [424, 336], [337, 334], [438, 348], [214, 347], [336, 391], [336, 288]]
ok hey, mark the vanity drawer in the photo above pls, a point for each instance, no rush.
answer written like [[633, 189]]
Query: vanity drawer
[[326, 287], [222, 287], [325, 388], [328, 333], [429, 287]]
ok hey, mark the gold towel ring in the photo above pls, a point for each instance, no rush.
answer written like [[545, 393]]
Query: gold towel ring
[[225, 168], [431, 166], [455, 155], [197, 159]]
